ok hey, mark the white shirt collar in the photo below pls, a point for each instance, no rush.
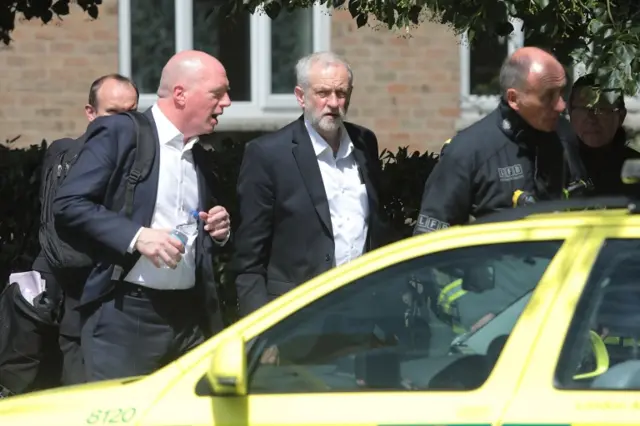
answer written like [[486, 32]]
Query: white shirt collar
[[167, 132], [320, 145]]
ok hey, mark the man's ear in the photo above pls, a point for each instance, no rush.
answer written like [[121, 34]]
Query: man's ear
[[179, 96], [512, 99], [348, 99], [299, 92], [90, 112]]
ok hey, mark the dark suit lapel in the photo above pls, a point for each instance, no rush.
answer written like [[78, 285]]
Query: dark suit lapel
[[310, 171], [205, 175], [147, 201], [363, 163], [205, 200]]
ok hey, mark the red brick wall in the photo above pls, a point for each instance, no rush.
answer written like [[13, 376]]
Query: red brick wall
[[405, 89], [46, 72]]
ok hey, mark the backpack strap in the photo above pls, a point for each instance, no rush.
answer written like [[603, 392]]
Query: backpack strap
[[145, 146], [144, 156]]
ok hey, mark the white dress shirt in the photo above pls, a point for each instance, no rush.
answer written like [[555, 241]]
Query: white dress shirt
[[177, 195], [346, 194]]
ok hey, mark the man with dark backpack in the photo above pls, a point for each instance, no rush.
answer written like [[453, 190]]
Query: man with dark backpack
[[152, 294], [64, 268]]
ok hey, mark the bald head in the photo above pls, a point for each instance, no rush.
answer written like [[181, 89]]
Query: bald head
[[193, 92], [532, 82], [525, 66], [185, 68]]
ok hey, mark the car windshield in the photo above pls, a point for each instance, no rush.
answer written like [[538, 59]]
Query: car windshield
[[417, 321], [477, 339]]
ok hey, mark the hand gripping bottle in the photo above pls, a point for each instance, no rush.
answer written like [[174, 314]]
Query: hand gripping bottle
[[186, 230]]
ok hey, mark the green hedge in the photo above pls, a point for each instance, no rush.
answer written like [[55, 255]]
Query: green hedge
[[404, 174]]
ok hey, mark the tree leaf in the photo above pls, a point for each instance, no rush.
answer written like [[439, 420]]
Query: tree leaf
[[504, 29], [354, 8], [272, 9], [595, 26], [614, 81], [61, 7], [46, 16], [414, 14], [470, 36], [361, 20], [92, 10]]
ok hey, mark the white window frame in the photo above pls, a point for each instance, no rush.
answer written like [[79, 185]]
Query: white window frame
[[474, 107], [264, 105], [477, 106]]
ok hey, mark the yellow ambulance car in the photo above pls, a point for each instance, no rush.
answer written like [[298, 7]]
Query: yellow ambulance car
[[363, 344]]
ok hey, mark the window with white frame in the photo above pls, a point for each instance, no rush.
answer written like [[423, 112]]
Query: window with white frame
[[480, 62], [259, 54]]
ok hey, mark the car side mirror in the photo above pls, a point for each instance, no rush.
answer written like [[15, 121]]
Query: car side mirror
[[600, 358], [227, 374], [478, 278]]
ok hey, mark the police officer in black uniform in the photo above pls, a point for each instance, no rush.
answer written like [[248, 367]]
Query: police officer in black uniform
[[515, 150], [516, 154]]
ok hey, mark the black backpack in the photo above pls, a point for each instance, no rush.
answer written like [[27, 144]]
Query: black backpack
[[57, 249]]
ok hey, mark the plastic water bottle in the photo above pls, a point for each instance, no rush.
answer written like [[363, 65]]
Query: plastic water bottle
[[185, 230]]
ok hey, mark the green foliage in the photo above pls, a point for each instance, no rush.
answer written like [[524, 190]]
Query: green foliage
[[403, 180], [44, 10], [602, 34], [404, 175], [20, 207]]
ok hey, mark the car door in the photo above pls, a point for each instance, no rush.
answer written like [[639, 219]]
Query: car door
[[602, 293], [367, 344]]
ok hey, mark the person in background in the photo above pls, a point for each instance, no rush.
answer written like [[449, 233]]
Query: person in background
[[600, 137], [151, 297], [109, 94], [597, 117], [307, 193]]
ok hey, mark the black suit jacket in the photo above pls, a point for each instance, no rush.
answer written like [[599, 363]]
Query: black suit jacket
[[284, 235], [97, 179]]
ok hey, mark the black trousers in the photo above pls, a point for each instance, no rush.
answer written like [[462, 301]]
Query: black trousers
[[139, 331], [65, 287], [72, 362], [69, 338]]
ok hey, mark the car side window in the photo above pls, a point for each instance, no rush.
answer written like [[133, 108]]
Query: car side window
[[435, 322], [610, 308]]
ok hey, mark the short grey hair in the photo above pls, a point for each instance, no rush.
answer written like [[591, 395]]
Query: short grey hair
[[326, 59], [514, 73]]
